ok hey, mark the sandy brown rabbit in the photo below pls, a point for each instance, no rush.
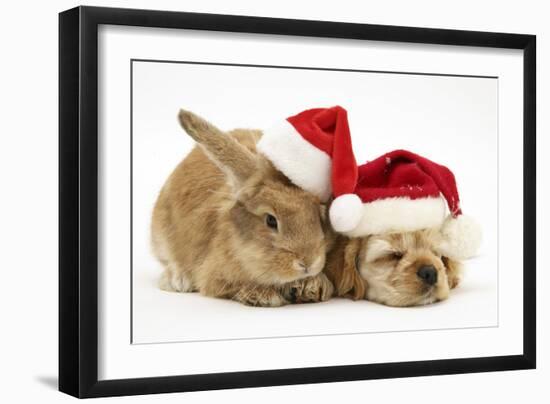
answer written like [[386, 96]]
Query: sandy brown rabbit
[[228, 224]]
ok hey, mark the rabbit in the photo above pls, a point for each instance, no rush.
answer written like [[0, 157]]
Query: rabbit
[[227, 224]]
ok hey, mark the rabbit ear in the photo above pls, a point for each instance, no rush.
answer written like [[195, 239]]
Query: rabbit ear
[[227, 153]]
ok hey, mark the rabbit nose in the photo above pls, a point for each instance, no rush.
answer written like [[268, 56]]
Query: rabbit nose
[[302, 266]]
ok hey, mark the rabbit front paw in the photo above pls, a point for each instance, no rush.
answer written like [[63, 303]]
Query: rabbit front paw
[[172, 281], [309, 290], [260, 296]]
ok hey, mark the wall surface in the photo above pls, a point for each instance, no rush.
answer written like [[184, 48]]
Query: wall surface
[[28, 207]]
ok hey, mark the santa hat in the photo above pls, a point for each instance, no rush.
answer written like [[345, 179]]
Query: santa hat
[[400, 192], [313, 149]]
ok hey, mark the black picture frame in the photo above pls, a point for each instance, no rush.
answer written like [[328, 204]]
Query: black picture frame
[[78, 200]]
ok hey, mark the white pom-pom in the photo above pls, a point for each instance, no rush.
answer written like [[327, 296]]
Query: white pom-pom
[[461, 237], [345, 213]]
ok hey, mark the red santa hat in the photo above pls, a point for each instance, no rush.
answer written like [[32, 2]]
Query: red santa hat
[[313, 149], [400, 192]]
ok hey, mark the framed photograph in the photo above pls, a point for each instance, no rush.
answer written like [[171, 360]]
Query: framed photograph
[[251, 201]]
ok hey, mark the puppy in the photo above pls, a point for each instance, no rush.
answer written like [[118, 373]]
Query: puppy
[[401, 269]]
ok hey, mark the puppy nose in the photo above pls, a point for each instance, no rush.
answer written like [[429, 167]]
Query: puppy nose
[[428, 274]]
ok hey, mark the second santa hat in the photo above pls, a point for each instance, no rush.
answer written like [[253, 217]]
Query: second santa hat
[[401, 192]]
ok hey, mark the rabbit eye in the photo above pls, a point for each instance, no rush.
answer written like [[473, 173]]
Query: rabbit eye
[[271, 221]]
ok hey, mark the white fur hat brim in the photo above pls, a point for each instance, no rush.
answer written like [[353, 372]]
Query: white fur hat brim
[[350, 216], [302, 163], [461, 235]]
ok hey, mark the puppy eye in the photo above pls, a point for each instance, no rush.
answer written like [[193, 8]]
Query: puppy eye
[[397, 255], [271, 221]]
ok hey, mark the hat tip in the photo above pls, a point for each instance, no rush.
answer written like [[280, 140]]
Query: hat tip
[[461, 237], [345, 213]]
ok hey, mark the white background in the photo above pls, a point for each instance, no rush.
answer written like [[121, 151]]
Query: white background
[[436, 116], [29, 207]]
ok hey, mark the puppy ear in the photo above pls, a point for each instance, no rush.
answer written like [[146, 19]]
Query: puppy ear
[[234, 159], [351, 284], [323, 213], [454, 271]]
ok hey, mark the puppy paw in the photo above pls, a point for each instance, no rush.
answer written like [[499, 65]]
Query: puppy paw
[[309, 290]]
